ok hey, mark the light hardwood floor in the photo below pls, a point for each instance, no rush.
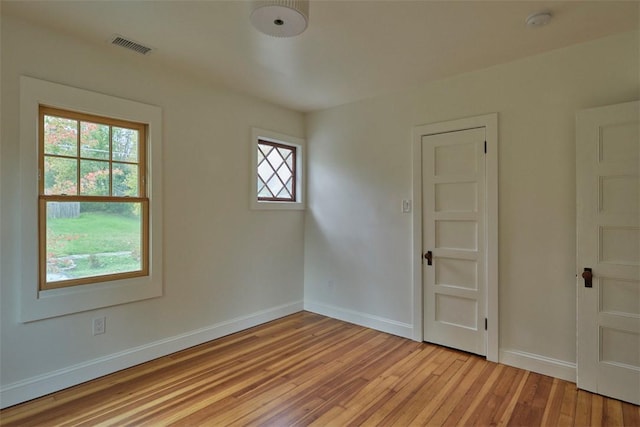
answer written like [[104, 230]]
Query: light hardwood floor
[[307, 369]]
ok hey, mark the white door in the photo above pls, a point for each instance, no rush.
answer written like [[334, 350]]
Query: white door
[[453, 186], [608, 243]]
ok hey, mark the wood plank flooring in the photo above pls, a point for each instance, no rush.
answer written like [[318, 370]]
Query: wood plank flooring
[[307, 369]]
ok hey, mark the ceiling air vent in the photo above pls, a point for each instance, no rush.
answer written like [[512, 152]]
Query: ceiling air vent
[[130, 44]]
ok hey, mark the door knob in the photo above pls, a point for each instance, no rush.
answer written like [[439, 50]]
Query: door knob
[[429, 257], [587, 275]]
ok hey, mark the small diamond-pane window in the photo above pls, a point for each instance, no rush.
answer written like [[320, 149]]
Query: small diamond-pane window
[[276, 172]]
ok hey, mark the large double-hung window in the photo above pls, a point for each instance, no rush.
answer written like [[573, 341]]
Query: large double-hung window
[[93, 202]]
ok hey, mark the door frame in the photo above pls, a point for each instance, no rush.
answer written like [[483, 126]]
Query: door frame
[[490, 123]]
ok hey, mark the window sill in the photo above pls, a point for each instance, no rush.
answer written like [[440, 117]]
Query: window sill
[[277, 206]]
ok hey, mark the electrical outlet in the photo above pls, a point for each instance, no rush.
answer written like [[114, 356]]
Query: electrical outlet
[[99, 325]]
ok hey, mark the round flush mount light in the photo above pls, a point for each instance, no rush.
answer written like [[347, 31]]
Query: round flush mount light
[[538, 19], [280, 18]]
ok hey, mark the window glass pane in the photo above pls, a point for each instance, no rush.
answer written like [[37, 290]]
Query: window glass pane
[[125, 179], [94, 178], [60, 176], [284, 172], [275, 159], [60, 136], [264, 149], [283, 194], [265, 171], [263, 191], [274, 184], [285, 153], [125, 145], [94, 141], [86, 239]]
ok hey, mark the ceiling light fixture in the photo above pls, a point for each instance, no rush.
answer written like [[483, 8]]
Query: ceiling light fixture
[[538, 19], [280, 18]]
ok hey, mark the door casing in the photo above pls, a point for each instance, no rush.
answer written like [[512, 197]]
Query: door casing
[[490, 123]]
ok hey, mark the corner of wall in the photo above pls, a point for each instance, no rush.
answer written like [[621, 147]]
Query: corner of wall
[[367, 320]]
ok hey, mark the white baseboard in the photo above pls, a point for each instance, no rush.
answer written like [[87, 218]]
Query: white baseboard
[[41, 385], [389, 326], [539, 364]]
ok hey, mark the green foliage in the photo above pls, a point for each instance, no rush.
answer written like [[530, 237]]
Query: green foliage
[[125, 145], [60, 136], [61, 173], [130, 210], [60, 176], [94, 141]]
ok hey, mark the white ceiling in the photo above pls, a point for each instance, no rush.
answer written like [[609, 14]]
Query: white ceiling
[[351, 50]]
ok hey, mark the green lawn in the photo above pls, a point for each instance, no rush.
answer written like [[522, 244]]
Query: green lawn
[[72, 245], [93, 232], [88, 267]]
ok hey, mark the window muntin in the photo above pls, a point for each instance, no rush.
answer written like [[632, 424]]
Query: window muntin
[[93, 207], [276, 172]]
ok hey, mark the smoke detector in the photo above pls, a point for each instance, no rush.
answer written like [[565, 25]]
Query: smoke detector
[[280, 18], [538, 19]]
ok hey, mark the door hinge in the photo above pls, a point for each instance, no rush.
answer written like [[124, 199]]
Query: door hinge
[[486, 324], [485, 147]]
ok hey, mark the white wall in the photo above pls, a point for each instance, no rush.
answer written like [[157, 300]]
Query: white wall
[[222, 261], [358, 243]]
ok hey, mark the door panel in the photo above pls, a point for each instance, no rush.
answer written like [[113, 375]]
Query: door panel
[[620, 296], [453, 229], [461, 235], [608, 241], [456, 197], [456, 272], [455, 159], [456, 310]]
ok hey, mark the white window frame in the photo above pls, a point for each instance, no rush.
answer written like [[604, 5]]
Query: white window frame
[[34, 303], [292, 141]]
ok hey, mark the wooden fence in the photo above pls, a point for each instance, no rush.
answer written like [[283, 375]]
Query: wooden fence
[[63, 210]]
